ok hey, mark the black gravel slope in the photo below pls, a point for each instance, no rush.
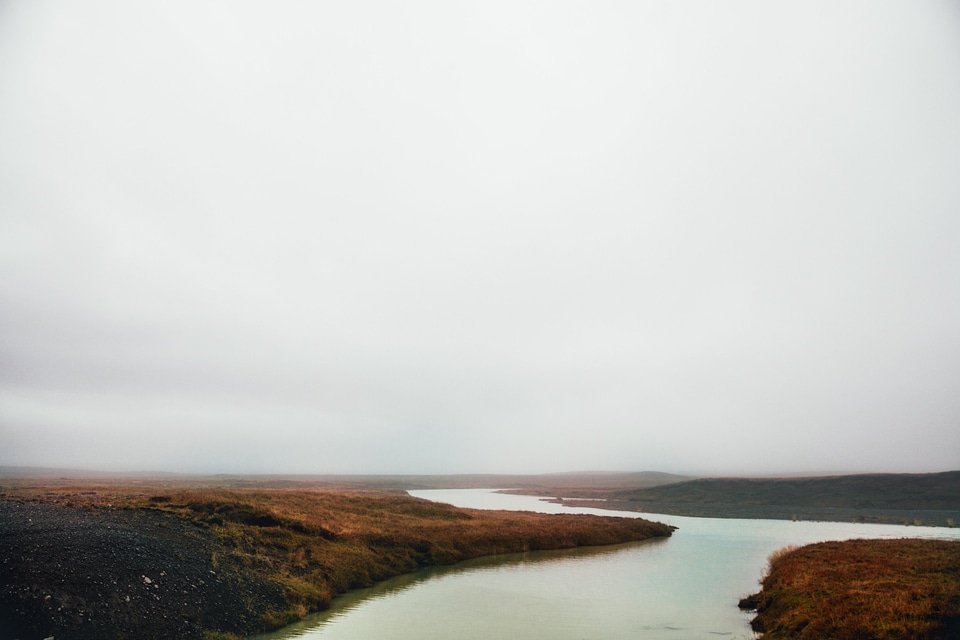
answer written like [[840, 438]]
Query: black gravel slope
[[93, 573]]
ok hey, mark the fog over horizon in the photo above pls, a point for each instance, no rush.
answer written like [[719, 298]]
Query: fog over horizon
[[480, 237]]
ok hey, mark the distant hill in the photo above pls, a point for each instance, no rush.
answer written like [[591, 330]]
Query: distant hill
[[9, 471], [930, 491], [575, 482]]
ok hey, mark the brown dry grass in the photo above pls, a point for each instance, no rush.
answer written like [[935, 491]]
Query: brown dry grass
[[862, 589], [317, 543]]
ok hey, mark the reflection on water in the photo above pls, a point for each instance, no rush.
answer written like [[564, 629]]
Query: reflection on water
[[312, 625], [684, 587]]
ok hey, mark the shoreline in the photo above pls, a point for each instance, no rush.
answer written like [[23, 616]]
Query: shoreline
[[908, 517], [854, 589], [930, 499], [344, 603], [147, 562]]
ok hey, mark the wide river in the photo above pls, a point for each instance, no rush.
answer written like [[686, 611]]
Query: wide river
[[679, 588]]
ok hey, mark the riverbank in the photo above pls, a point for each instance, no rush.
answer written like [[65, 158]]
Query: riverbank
[[860, 590], [931, 499], [908, 517], [141, 560]]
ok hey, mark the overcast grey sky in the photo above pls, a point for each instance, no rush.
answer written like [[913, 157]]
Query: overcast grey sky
[[491, 236]]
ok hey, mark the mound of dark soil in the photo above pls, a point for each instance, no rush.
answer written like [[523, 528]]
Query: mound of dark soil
[[91, 573]]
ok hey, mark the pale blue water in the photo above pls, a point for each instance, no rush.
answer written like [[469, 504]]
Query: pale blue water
[[684, 587]]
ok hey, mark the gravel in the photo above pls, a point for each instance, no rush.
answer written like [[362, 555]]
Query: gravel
[[93, 573]]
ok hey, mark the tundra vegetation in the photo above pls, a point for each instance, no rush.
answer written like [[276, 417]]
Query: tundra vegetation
[[282, 546], [861, 590], [308, 544], [317, 544]]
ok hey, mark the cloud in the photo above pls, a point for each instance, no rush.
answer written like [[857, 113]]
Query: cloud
[[479, 237]]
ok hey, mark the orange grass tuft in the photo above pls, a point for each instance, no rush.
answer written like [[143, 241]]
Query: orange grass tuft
[[860, 590]]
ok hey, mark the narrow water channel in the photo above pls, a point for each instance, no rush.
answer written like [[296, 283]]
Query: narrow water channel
[[684, 587]]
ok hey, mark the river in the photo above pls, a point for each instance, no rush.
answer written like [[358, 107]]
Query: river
[[682, 588]]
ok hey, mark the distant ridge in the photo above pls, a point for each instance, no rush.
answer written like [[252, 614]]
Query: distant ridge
[[937, 491], [547, 482], [10, 471]]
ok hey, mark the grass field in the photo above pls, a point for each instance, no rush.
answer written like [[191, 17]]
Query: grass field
[[316, 543], [861, 590], [321, 543]]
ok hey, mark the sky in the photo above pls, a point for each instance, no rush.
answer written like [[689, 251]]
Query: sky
[[497, 236]]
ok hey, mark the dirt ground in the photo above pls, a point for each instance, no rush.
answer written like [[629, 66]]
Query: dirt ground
[[93, 573]]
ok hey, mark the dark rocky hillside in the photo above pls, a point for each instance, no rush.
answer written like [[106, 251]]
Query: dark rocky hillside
[[934, 491], [931, 499]]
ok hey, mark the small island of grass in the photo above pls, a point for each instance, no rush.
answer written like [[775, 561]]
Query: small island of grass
[[861, 590]]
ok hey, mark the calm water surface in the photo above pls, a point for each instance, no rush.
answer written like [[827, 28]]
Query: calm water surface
[[684, 587]]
